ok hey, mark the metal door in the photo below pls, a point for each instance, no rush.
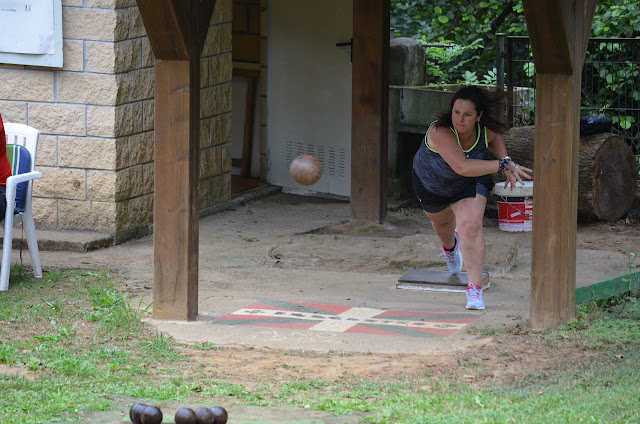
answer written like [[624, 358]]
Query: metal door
[[309, 91]]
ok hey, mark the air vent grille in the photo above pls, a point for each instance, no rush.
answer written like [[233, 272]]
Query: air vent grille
[[333, 159]]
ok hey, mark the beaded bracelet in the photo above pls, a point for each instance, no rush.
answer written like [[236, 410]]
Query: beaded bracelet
[[503, 164]]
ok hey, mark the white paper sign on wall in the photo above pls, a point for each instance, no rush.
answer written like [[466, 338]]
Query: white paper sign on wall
[[31, 32]]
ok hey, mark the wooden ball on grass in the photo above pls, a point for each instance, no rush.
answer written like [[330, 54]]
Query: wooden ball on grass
[[220, 415], [204, 416], [185, 416], [305, 170], [151, 415], [135, 412]]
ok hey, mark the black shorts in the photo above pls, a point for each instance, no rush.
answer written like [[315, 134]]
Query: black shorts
[[432, 203]]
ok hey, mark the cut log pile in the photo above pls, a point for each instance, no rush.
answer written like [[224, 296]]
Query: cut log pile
[[607, 172]]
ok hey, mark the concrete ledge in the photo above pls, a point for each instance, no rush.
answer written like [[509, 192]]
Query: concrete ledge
[[65, 240]]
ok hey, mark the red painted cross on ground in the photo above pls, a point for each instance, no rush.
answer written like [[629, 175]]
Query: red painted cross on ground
[[347, 319]]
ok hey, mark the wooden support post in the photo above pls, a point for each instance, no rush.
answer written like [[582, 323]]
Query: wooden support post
[[558, 31], [177, 30], [175, 213], [555, 196], [370, 91]]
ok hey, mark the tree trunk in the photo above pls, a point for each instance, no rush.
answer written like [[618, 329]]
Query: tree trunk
[[607, 172]]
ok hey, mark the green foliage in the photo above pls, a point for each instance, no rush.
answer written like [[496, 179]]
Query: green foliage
[[205, 346], [616, 18], [161, 346], [450, 64], [470, 27], [113, 310], [611, 85]]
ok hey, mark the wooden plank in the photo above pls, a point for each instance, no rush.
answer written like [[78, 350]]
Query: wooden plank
[[555, 190], [608, 287], [165, 26], [246, 36], [586, 9], [553, 273], [177, 31], [175, 215], [240, 18], [246, 47], [436, 280], [370, 97], [551, 33], [244, 163], [249, 114]]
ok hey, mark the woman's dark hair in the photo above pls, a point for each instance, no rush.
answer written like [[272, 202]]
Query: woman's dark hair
[[486, 102]]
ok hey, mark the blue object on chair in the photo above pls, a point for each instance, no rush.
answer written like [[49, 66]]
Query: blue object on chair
[[20, 140], [20, 161]]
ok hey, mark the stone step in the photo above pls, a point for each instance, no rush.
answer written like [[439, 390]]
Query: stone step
[[64, 240]]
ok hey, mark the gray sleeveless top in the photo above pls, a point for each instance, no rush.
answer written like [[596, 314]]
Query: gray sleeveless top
[[436, 175]]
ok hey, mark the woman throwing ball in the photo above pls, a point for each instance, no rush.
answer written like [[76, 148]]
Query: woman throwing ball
[[452, 183]]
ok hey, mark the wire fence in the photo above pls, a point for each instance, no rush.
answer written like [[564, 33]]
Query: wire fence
[[610, 84]]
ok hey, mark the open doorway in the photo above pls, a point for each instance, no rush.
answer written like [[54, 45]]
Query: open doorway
[[310, 91], [245, 147], [308, 45]]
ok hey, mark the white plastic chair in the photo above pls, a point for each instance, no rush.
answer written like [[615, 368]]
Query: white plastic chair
[[26, 136]]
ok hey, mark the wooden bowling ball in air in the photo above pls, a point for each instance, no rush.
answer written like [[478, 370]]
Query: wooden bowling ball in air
[[220, 415], [151, 415], [185, 416], [135, 412], [305, 170]]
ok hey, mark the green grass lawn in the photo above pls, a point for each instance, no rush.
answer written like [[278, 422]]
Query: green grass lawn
[[72, 343]]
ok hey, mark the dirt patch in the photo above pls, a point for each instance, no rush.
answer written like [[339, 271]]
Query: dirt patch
[[17, 372], [621, 236], [506, 358]]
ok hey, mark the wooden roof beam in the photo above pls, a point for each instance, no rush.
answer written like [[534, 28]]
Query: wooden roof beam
[[167, 28], [551, 27], [170, 26]]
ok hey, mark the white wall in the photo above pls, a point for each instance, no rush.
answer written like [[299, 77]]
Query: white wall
[[309, 98]]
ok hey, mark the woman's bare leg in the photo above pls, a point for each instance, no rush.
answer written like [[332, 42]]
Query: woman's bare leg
[[444, 224], [469, 214]]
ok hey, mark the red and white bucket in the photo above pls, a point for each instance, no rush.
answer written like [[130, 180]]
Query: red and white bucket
[[515, 207]]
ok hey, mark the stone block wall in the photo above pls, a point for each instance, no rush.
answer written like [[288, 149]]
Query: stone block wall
[[215, 109], [96, 118]]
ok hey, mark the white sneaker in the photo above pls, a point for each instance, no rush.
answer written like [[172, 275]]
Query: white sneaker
[[454, 259], [474, 297]]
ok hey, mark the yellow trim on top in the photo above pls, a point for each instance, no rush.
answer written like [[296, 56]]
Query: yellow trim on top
[[486, 144]]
